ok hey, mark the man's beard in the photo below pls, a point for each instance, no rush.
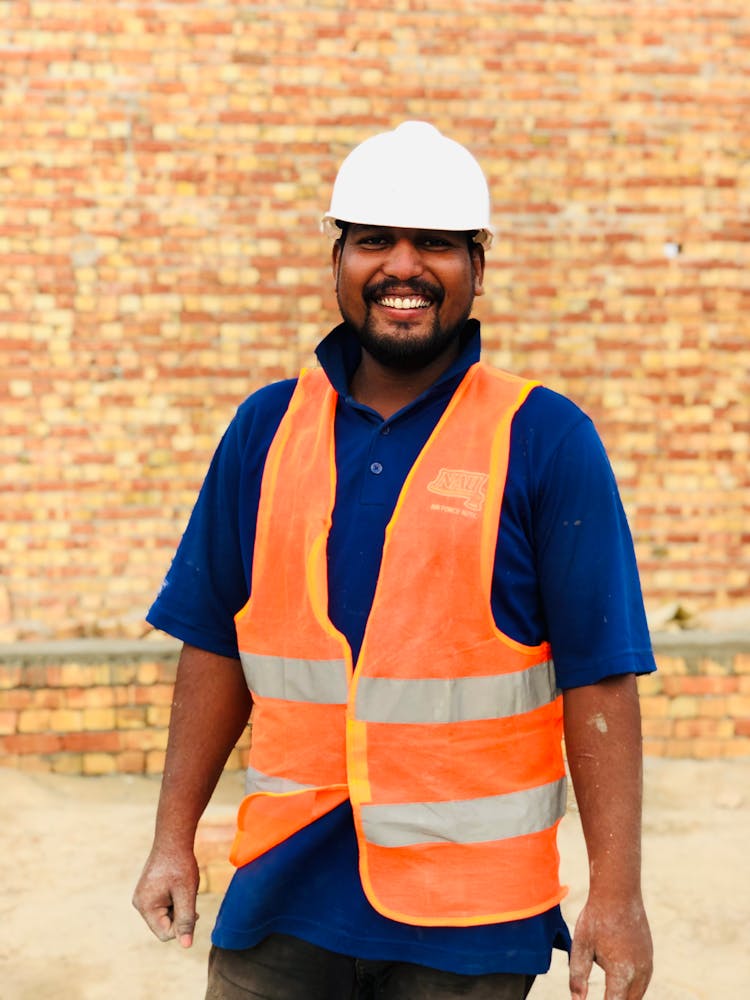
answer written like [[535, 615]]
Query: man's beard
[[399, 349]]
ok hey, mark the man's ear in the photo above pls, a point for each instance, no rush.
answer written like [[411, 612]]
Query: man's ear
[[335, 259], [477, 264]]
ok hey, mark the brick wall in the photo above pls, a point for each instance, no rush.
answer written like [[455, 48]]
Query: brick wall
[[88, 706], [697, 704], [162, 170], [102, 706]]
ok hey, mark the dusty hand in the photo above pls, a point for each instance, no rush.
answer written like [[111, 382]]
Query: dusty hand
[[166, 893], [619, 940]]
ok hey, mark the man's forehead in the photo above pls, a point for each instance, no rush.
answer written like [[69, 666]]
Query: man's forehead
[[400, 231]]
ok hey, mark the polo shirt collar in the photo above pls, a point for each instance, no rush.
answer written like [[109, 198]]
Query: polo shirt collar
[[339, 354]]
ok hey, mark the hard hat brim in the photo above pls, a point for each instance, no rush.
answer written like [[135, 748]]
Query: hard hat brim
[[330, 226]]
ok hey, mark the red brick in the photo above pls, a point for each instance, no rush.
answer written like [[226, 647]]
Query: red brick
[[8, 721], [91, 741], [131, 762], [32, 743], [700, 685]]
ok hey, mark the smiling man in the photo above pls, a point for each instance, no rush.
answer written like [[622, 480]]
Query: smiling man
[[415, 570], [406, 293]]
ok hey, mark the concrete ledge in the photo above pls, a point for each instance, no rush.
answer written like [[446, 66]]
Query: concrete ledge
[[89, 649], [692, 641], [687, 640]]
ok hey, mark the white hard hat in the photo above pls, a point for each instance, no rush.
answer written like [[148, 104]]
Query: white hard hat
[[411, 178]]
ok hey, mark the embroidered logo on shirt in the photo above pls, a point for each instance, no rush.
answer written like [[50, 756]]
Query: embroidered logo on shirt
[[471, 487]]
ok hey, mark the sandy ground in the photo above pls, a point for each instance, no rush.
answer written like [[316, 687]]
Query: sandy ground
[[72, 849]]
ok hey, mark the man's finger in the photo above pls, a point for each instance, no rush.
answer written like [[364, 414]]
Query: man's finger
[[627, 984], [581, 961], [617, 984], [183, 915], [159, 920]]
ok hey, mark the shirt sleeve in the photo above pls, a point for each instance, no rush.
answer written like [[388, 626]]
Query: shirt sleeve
[[588, 578]]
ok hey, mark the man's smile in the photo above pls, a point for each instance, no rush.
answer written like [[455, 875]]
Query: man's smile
[[401, 302], [405, 296]]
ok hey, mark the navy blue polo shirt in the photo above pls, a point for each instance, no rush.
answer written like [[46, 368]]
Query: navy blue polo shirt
[[564, 572]]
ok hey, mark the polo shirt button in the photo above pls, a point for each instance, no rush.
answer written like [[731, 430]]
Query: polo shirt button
[[386, 429], [376, 468]]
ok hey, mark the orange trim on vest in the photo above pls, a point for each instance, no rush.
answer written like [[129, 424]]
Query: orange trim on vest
[[447, 735], [468, 892], [497, 756]]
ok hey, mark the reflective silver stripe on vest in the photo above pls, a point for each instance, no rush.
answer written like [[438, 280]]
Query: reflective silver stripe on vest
[[455, 699], [257, 781], [468, 821], [322, 682]]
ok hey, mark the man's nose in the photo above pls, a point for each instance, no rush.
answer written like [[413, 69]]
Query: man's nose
[[404, 260]]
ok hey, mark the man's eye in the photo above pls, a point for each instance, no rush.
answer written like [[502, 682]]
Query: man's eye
[[372, 241], [436, 243]]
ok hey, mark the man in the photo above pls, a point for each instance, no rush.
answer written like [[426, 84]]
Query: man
[[387, 552]]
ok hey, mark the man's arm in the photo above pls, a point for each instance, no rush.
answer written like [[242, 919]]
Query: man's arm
[[603, 744], [210, 708]]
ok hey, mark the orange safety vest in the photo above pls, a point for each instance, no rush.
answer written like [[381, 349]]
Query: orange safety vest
[[446, 734]]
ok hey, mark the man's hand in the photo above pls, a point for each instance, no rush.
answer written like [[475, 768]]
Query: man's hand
[[209, 711], [603, 742], [166, 893], [618, 939]]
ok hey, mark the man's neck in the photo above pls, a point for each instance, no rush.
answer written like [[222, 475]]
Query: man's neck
[[388, 390]]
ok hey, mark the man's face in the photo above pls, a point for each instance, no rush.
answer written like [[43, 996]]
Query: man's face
[[406, 293]]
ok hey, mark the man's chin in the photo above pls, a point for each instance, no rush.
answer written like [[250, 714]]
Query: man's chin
[[407, 346], [405, 355]]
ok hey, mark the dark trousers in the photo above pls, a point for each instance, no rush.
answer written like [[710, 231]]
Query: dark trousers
[[286, 968]]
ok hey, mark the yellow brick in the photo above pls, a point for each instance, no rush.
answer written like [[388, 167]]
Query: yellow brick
[[218, 877], [98, 718], [657, 729], [66, 720], [737, 747], [99, 697], [739, 706], [67, 763], [144, 739], [148, 673], [654, 748], [683, 707], [130, 717], [709, 749], [714, 708], [124, 673], [712, 667], [157, 717], [649, 684], [131, 762], [33, 721], [658, 706], [155, 762], [98, 763], [671, 664], [83, 675], [679, 749], [10, 677]]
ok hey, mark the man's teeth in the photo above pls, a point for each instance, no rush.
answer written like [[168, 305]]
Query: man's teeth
[[396, 302]]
